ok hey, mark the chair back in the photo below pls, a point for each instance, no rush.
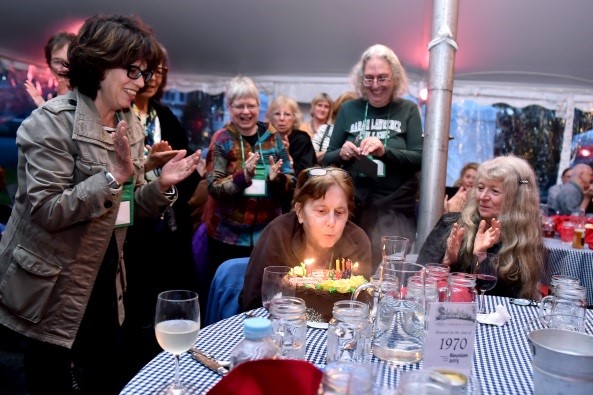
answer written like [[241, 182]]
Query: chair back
[[223, 298]]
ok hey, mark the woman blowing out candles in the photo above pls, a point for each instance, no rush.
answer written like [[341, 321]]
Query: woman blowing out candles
[[501, 216], [317, 228]]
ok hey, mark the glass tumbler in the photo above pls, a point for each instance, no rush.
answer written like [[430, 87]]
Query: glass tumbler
[[289, 326], [349, 333]]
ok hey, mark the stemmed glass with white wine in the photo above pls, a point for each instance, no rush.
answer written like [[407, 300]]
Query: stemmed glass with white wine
[[177, 324]]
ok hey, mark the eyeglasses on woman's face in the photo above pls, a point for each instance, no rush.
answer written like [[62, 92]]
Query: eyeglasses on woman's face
[[159, 71], [135, 72], [368, 80], [241, 107]]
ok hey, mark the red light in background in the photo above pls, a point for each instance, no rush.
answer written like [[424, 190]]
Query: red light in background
[[585, 152]]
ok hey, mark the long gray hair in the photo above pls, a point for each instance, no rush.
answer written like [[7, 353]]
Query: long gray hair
[[398, 73], [522, 248]]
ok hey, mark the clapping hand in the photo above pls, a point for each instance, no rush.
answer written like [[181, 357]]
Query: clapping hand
[[250, 164], [159, 154], [34, 93], [123, 167], [453, 244], [179, 168], [486, 238], [275, 168], [457, 202]]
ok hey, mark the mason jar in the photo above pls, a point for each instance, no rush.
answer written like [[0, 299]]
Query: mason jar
[[289, 326], [462, 288], [440, 273], [415, 285], [349, 334]]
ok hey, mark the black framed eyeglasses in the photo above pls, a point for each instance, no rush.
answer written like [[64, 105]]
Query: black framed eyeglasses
[[135, 72], [322, 171]]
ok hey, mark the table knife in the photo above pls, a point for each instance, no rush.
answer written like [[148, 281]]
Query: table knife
[[210, 363]]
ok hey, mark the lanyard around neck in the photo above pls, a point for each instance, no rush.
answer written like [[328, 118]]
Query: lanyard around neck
[[261, 153], [364, 123]]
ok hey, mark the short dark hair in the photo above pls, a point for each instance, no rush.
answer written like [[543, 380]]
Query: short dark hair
[[56, 41], [107, 42], [163, 59]]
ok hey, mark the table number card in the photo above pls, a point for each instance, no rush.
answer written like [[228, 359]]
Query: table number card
[[450, 338]]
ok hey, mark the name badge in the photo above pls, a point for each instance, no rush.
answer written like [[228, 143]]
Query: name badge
[[380, 167], [125, 215], [258, 187], [450, 336]]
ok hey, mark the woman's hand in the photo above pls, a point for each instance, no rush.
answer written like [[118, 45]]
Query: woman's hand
[[372, 146], [123, 167], [349, 151], [250, 164], [34, 93], [486, 238], [275, 168], [178, 169], [453, 245], [457, 202], [159, 154]]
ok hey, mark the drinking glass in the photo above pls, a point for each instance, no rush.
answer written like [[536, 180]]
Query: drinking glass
[[485, 268], [393, 249], [567, 232], [177, 324], [276, 283]]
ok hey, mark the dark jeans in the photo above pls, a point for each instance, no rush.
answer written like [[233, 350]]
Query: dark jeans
[[94, 360]]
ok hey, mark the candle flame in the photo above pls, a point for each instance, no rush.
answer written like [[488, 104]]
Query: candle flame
[[309, 261]]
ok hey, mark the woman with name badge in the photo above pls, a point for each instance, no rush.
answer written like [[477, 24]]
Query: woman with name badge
[[378, 139], [249, 175]]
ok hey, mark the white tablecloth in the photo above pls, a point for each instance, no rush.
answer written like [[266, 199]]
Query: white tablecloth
[[502, 360]]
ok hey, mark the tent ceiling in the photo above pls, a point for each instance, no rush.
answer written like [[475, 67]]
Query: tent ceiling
[[529, 41]]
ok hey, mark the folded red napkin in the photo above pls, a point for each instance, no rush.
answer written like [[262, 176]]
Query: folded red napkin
[[270, 377]]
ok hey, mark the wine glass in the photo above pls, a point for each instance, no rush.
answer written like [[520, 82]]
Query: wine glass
[[275, 283], [177, 324], [485, 268]]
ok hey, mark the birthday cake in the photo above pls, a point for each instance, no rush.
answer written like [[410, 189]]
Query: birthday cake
[[320, 289]]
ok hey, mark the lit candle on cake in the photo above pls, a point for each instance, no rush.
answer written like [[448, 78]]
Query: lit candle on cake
[[354, 268], [308, 266]]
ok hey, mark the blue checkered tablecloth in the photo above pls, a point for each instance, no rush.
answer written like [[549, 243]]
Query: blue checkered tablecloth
[[502, 359], [568, 261]]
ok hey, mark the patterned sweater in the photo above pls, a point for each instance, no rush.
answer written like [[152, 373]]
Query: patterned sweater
[[230, 216]]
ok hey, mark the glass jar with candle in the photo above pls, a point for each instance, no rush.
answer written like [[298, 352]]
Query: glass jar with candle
[[462, 288], [439, 272]]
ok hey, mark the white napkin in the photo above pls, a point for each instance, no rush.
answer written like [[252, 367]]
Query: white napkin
[[500, 317]]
